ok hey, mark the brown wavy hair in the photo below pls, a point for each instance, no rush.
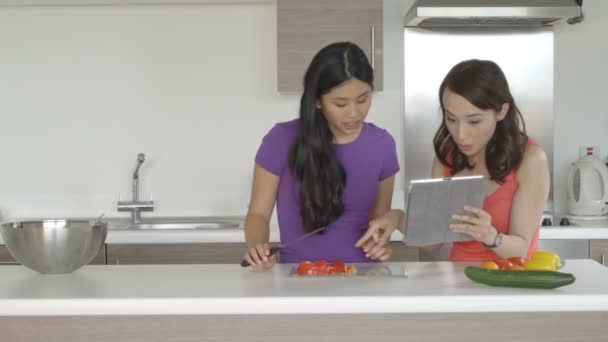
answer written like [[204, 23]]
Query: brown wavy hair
[[485, 86]]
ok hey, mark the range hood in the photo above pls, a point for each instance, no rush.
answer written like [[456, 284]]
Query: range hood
[[429, 13]]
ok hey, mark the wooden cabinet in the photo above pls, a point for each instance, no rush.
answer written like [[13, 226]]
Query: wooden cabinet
[[200, 253], [304, 27], [100, 259], [598, 251], [7, 259], [401, 252], [206, 253], [566, 249]]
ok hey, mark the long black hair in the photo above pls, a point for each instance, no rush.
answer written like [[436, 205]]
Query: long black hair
[[312, 157], [485, 86]]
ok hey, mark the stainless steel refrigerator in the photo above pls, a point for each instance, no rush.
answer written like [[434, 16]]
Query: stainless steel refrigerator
[[525, 54]]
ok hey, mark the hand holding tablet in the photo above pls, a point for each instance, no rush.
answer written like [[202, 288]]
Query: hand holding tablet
[[430, 204]]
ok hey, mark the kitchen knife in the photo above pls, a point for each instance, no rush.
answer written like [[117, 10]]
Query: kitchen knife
[[275, 249]]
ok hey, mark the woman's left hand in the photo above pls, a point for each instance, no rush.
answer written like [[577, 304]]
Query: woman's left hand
[[478, 225]]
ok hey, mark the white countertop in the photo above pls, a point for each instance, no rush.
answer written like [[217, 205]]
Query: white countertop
[[573, 233], [584, 230], [237, 235], [230, 289]]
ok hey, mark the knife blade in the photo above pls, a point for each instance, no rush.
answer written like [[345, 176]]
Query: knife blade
[[277, 248]]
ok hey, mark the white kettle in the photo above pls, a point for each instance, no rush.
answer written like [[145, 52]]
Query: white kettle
[[588, 187]]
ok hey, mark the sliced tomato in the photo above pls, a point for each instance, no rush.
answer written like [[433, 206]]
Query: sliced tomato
[[516, 268], [320, 263], [305, 268], [350, 269], [517, 260], [337, 267], [503, 264], [321, 267], [323, 270], [337, 263]]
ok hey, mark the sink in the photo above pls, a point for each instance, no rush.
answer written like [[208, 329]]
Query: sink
[[195, 225], [178, 223]]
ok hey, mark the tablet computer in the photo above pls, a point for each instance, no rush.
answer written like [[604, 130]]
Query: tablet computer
[[430, 204]]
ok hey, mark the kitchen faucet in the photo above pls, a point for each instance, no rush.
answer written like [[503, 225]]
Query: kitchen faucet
[[135, 206]]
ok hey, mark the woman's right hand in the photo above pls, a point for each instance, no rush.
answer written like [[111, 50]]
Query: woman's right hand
[[380, 229], [259, 257]]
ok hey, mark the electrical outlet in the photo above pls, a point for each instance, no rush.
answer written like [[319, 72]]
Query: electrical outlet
[[588, 151]]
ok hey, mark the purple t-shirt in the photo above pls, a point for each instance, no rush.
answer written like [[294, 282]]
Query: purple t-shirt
[[367, 160]]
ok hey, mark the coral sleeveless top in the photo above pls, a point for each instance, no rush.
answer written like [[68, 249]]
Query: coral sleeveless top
[[498, 204]]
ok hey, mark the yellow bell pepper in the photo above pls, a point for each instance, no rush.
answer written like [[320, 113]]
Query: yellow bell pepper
[[548, 257], [541, 264]]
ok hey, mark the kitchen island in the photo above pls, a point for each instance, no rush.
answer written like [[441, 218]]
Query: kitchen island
[[430, 301]]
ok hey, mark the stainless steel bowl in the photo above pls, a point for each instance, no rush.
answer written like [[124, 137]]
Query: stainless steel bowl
[[54, 246]]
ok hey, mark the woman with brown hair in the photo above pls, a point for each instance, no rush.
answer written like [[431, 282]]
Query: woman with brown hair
[[483, 133]]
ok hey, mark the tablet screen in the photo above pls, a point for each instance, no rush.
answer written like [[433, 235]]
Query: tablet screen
[[430, 204]]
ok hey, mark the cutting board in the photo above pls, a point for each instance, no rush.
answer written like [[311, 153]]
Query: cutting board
[[364, 270]]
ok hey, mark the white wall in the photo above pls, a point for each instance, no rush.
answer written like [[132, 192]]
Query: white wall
[[581, 76], [84, 89]]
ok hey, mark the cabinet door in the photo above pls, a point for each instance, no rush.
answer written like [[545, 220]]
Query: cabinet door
[[599, 251], [401, 252], [566, 249], [202, 253], [305, 26], [100, 259], [7, 259]]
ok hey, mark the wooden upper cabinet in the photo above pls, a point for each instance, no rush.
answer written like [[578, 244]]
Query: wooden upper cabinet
[[305, 26]]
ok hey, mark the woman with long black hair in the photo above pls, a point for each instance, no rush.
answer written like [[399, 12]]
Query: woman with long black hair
[[328, 168]]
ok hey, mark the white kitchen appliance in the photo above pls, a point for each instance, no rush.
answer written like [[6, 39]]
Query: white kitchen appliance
[[588, 189]]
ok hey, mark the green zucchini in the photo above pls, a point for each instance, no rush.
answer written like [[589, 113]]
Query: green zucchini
[[526, 279]]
